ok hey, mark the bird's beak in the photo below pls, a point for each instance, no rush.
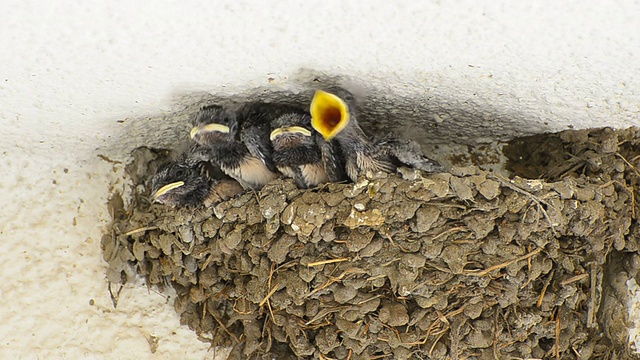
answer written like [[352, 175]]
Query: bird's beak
[[329, 114], [165, 189], [209, 127], [292, 129]]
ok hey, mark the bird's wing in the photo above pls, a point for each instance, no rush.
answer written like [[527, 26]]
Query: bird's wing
[[256, 139], [409, 153]]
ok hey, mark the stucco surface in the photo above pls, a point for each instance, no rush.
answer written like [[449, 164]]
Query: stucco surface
[[82, 79]]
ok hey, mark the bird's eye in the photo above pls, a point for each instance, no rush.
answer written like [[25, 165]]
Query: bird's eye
[[180, 173]]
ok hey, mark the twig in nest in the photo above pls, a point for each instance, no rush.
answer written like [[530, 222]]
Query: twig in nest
[[441, 319], [142, 229], [452, 230], [271, 312], [629, 164], [271, 292], [500, 266], [241, 312], [207, 262], [271, 271], [633, 203], [494, 335], [369, 299], [578, 356], [390, 262], [222, 292], [529, 279], [435, 342], [392, 329], [257, 196], [393, 242], [266, 334], [286, 265], [324, 262], [317, 326], [558, 327], [336, 279], [376, 277], [225, 328], [591, 309], [573, 279], [323, 313], [566, 167], [544, 289], [536, 199]]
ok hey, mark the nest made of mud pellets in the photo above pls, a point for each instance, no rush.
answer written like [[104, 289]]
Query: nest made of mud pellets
[[465, 264]]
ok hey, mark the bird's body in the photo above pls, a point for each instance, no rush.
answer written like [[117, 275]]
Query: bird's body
[[334, 117], [237, 138], [191, 181], [295, 150]]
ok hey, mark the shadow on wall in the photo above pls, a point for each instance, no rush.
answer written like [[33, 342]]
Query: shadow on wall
[[417, 111]]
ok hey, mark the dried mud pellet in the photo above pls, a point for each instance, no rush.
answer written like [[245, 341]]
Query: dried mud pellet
[[357, 240], [280, 248], [342, 294], [426, 216], [327, 340], [413, 260], [393, 314]]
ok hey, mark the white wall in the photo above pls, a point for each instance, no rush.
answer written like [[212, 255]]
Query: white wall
[[78, 79]]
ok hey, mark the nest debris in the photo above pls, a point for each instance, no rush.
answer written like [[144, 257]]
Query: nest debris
[[467, 264]]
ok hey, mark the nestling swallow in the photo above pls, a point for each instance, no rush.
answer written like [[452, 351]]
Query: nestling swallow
[[334, 116], [295, 150], [192, 181], [238, 140]]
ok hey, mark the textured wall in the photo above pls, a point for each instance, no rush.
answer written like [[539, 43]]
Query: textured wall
[[78, 80]]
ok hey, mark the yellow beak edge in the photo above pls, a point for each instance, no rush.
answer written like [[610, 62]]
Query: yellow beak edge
[[165, 189], [292, 129], [209, 127]]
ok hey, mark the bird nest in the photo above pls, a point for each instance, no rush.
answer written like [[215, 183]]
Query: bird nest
[[466, 264]]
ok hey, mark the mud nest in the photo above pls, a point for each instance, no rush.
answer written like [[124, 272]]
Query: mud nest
[[466, 264]]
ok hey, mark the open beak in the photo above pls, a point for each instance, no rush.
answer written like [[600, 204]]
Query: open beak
[[289, 130], [165, 189], [209, 127], [329, 114]]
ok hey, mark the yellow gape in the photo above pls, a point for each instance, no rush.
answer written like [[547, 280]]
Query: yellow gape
[[329, 114]]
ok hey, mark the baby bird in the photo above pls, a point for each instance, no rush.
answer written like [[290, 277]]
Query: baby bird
[[333, 116], [191, 181], [295, 150], [237, 138]]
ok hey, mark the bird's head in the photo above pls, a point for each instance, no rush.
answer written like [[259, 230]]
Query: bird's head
[[214, 124], [181, 184], [290, 129]]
